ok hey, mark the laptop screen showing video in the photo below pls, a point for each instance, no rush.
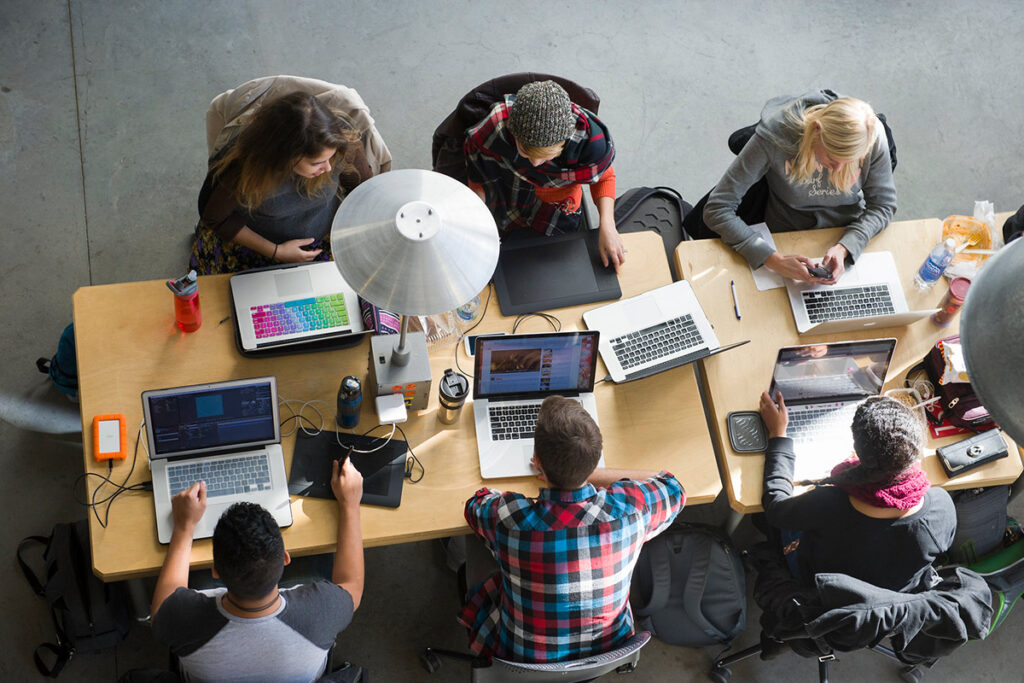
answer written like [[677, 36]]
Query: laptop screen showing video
[[535, 364], [846, 370], [211, 417]]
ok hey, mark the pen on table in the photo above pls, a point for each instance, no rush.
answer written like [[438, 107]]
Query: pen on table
[[735, 299], [224, 319]]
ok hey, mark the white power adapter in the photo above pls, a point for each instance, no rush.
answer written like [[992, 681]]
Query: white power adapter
[[391, 409]]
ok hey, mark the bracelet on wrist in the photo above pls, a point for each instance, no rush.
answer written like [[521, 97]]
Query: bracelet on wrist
[[273, 257]]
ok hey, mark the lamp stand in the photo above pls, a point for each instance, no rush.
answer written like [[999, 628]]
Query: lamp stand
[[400, 364]]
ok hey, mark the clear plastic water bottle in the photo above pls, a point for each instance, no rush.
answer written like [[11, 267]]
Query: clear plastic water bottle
[[468, 314], [935, 265]]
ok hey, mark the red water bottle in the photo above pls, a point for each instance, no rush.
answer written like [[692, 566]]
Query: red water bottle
[[186, 302]]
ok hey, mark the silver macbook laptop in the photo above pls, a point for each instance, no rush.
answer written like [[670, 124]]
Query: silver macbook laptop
[[226, 434], [868, 295], [294, 305], [513, 375], [822, 385], [653, 332]]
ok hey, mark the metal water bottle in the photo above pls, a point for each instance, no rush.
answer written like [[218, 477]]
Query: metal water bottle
[[350, 400]]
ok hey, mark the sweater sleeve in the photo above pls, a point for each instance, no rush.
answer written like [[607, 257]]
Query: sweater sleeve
[[749, 166], [605, 187], [879, 198]]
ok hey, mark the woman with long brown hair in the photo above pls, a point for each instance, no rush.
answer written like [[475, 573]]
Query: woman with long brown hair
[[271, 195]]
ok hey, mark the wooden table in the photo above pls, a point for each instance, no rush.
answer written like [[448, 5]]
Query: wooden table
[[127, 342], [735, 379]]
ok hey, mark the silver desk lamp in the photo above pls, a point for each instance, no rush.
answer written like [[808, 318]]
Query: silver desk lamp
[[992, 333], [416, 243]]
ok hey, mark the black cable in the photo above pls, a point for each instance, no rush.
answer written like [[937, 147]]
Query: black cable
[[412, 461], [480, 319], [93, 504], [555, 323]]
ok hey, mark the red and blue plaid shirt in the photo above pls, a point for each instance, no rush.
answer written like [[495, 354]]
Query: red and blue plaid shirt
[[566, 559]]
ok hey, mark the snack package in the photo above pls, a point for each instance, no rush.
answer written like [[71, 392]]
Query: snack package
[[955, 370]]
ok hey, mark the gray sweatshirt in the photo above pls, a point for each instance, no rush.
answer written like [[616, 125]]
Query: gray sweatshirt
[[865, 210]]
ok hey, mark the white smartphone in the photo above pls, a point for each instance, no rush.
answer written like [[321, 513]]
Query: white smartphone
[[470, 341]]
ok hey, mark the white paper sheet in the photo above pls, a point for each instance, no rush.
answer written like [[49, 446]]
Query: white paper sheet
[[764, 278]]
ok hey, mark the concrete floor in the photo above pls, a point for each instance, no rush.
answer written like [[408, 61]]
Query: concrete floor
[[102, 154]]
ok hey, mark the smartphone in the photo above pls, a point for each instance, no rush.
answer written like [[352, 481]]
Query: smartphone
[[470, 341], [820, 271]]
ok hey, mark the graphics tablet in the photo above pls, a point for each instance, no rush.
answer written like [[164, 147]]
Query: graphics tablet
[[382, 470]]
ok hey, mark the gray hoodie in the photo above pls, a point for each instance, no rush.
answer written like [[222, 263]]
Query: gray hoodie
[[865, 210]]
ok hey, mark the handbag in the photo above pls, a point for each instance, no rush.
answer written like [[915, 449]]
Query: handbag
[[960, 405]]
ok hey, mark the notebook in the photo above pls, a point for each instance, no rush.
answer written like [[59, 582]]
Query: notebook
[[867, 295], [822, 385], [293, 304], [658, 330], [226, 434], [513, 375]]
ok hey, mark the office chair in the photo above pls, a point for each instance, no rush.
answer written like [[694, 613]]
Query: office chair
[[840, 614], [43, 410], [621, 660]]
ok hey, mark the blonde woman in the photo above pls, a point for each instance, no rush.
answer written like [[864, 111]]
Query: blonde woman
[[826, 163]]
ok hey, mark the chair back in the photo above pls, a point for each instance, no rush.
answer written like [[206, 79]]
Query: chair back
[[230, 112], [586, 669], [446, 152]]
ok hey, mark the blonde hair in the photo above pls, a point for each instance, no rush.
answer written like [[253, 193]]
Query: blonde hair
[[846, 129], [542, 152]]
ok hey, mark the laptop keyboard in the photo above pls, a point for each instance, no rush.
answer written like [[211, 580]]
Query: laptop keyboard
[[821, 422], [853, 302], [224, 477], [301, 315], [656, 342], [514, 421]]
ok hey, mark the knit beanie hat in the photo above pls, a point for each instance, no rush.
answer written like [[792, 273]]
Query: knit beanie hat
[[887, 435], [541, 115]]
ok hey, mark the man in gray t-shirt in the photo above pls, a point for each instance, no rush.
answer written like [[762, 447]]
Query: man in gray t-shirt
[[251, 629]]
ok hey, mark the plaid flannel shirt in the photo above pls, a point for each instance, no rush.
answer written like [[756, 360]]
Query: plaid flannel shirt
[[509, 180], [566, 559]]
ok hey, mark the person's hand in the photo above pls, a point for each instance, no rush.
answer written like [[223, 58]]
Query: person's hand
[[835, 260], [537, 469], [188, 506], [346, 483], [775, 416], [609, 244], [792, 266], [292, 251]]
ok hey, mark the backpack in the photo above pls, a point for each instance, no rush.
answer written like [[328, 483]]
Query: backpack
[[660, 209], [63, 367], [960, 405], [689, 587], [88, 614], [980, 522]]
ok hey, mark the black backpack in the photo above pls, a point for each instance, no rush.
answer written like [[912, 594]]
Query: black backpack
[[689, 587], [88, 614], [63, 366]]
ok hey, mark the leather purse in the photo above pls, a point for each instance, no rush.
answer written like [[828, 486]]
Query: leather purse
[[972, 452]]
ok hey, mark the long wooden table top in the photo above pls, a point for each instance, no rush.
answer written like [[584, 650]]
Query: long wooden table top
[[735, 379], [127, 342]]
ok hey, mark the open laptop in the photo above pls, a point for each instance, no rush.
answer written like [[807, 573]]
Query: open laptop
[[226, 434], [868, 295], [295, 304], [658, 330], [513, 375], [822, 385]]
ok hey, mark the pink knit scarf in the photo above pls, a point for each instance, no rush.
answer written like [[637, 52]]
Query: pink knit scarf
[[903, 494]]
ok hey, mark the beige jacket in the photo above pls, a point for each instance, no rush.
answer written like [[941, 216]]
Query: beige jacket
[[230, 111]]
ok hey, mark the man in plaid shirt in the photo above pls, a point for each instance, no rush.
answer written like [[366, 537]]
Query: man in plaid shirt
[[566, 557]]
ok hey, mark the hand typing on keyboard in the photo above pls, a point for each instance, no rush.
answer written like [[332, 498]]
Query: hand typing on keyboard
[[187, 508], [775, 415]]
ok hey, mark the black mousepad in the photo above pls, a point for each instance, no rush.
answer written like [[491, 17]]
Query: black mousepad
[[383, 470]]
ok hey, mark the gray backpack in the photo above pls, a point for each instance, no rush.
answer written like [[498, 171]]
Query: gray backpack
[[689, 588]]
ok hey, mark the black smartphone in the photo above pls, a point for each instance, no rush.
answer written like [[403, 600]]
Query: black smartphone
[[820, 271]]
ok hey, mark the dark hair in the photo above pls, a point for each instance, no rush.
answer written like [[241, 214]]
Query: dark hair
[[279, 135], [567, 442], [887, 437], [248, 551]]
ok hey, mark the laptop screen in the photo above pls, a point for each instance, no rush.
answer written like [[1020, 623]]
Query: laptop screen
[[535, 365], [209, 418], [843, 370]]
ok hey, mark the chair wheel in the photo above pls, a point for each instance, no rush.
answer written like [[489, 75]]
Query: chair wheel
[[911, 674], [430, 661], [720, 674]]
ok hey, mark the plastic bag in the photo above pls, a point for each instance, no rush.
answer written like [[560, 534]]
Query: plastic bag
[[439, 328], [976, 238]]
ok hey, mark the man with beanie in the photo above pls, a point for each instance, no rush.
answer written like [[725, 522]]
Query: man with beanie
[[876, 517], [529, 158]]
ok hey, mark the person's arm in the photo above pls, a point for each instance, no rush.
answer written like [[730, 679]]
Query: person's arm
[[879, 198], [603, 477], [290, 251], [609, 241], [187, 509], [347, 485]]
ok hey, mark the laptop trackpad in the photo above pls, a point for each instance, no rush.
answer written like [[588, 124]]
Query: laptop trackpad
[[293, 283], [551, 261], [643, 313]]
